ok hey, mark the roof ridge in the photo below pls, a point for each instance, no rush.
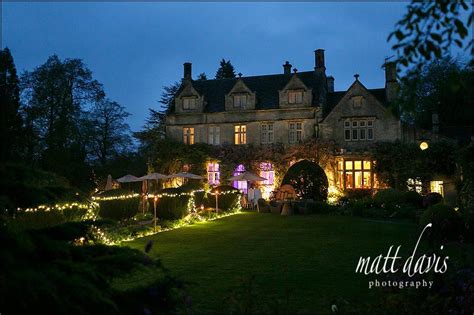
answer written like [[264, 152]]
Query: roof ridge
[[252, 76]]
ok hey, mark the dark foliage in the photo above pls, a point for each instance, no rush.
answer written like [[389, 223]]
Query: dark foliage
[[172, 208], [42, 272], [308, 179], [431, 199], [119, 209], [447, 223], [226, 70], [227, 197]]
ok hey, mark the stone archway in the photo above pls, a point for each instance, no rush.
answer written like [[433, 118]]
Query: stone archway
[[308, 179]]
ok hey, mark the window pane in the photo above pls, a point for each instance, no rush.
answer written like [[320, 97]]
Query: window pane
[[362, 134], [354, 124], [349, 180], [347, 124], [348, 165], [354, 134], [347, 135], [357, 165], [367, 165], [370, 134], [366, 180], [358, 179]]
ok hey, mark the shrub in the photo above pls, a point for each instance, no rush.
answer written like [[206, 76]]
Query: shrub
[[447, 224], [355, 194], [228, 198], [39, 219], [318, 207], [173, 208], [119, 209], [413, 198], [432, 199], [389, 199], [308, 179]]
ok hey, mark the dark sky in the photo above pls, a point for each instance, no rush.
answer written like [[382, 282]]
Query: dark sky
[[135, 49]]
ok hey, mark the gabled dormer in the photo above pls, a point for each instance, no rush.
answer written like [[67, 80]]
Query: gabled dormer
[[240, 97], [188, 99], [295, 93]]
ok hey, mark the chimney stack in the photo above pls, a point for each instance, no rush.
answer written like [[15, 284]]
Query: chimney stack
[[187, 71], [330, 84], [391, 83], [287, 68], [319, 59]]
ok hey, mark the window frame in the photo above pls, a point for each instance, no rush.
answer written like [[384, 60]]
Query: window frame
[[214, 135], [242, 100], [292, 97], [267, 133], [187, 105], [188, 135], [354, 128], [295, 132], [240, 134]]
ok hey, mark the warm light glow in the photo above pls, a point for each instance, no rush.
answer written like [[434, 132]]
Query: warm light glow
[[436, 186], [213, 174], [424, 145]]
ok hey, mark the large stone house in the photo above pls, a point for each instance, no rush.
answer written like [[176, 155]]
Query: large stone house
[[289, 108]]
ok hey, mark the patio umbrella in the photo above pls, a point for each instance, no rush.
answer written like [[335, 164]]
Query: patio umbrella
[[185, 175], [247, 177], [109, 185], [128, 179], [155, 176]]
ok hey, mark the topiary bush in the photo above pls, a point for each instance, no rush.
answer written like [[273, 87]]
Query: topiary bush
[[355, 194], [172, 208], [447, 224], [308, 179], [119, 209], [228, 198]]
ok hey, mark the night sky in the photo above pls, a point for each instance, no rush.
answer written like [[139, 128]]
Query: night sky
[[135, 49]]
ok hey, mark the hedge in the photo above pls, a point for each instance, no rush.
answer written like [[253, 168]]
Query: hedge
[[119, 209]]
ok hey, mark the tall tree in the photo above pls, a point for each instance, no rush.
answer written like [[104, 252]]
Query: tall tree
[[153, 132], [226, 70], [443, 87], [429, 29], [111, 132], [202, 76], [10, 119], [54, 97]]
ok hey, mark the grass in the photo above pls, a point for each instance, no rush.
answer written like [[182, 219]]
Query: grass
[[275, 263]]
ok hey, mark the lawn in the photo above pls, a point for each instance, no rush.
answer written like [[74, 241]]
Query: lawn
[[296, 264]]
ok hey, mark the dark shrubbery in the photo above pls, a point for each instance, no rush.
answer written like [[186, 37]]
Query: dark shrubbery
[[432, 199], [447, 223], [172, 208], [413, 198], [308, 179], [228, 197], [354, 194], [118, 209], [43, 272], [388, 198], [24, 187]]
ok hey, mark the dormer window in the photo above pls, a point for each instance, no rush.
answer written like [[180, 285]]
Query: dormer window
[[189, 103], [240, 100], [295, 97]]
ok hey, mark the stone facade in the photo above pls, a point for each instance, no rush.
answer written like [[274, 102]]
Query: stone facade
[[290, 108]]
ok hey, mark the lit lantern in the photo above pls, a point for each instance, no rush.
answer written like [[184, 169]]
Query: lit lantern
[[424, 145]]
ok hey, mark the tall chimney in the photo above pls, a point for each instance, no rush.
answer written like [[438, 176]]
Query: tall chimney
[[330, 83], [287, 68], [187, 71], [391, 83], [319, 59]]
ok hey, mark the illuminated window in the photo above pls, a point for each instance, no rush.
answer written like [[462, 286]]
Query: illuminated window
[[415, 185], [295, 97], [266, 171], [214, 135], [356, 129], [241, 185], [240, 100], [213, 174], [267, 133], [354, 174], [436, 186], [188, 135], [240, 134], [295, 134], [189, 103]]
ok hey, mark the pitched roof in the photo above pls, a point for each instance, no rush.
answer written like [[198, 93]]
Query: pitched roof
[[335, 97], [265, 87]]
